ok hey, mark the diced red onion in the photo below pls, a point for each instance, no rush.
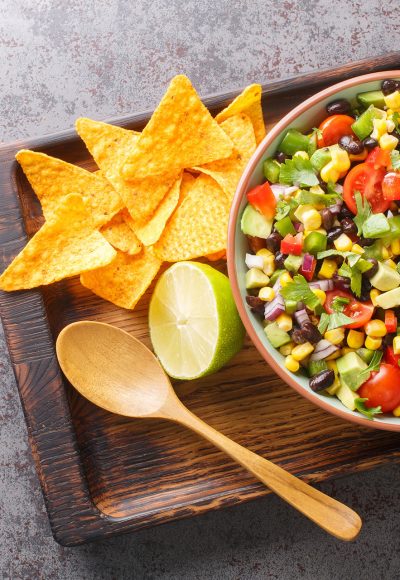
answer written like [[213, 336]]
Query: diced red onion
[[274, 308], [298, 226], [324, 285], [308, 263], [281, 189], [301, 317], [389, 214], [277, 286], [323, 349], [253, 261], [339, 189]]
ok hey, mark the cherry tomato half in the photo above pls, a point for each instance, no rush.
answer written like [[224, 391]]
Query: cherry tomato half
[[390, 358], [333, 128], [262, 198], [368, 181], [378, 158], [360, 312], [391, 186], [382, 388]]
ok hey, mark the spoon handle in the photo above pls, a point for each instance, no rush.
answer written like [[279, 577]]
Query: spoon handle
[[331, 515]]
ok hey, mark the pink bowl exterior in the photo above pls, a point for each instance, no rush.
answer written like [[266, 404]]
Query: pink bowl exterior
[[233, 224]]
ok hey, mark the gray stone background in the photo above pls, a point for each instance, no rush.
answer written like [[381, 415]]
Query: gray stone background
[[60, 59]]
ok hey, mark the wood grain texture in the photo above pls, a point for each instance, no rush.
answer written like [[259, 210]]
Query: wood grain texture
[[102, 474]]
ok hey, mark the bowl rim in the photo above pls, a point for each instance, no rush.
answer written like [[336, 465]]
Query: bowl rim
[[231, 250]]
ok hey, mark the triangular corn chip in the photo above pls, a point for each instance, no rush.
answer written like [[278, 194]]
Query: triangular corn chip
[[125, 280], [248, 102], [151, 232], [52, 179], [227, 172], [120, 235], [109, 146], [65, 246], [199, 225], [186, 184], [181, 133]]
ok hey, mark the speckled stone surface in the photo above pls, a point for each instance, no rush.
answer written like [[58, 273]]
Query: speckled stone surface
[[60, 59]]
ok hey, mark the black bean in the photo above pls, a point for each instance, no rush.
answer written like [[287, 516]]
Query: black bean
[[372, 271], [255, 303], [333, 234], [366, 241], [351, 144], [323, 185], [388, 339], [256, 243], [345, 212], [370, 143], [366, 287], [280, 259], [348, 226], [327, 218], [280, 157], [341, 282], [311, 332], [297, 336], [390, 86], [340, 106], [322, 380], [273, 242]]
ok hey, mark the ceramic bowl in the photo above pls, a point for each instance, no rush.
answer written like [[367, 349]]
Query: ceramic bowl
[[305, 116]]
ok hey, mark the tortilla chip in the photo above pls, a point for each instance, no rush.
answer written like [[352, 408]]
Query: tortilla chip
[[109, 146], [181, 133], [151, 232], [249, 103], [186, 184], [227, 172], [120, 235], [52, 179], [65, 246], [199, 225], [125, 280]]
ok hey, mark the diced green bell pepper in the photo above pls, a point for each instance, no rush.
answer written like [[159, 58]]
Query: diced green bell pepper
[[285, 226], [315, 242], [293, 263], [320, 158], [394, 233], [290, 306], [364, 125], [294, 141], [316, 366], [271, 170], [375, 98], [275, 276]]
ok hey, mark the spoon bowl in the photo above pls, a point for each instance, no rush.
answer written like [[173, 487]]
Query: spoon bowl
[[115, 371]]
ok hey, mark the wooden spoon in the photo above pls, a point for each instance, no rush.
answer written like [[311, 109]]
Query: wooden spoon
[[117, 372]]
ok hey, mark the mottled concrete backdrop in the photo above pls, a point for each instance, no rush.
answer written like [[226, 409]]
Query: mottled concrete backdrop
[[63, 58]]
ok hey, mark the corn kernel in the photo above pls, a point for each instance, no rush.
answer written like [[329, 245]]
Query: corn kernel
[[346, 350], [301, 154], [340, 159], [390, 126], [355, 338], [374, 295], [286, 349], [392, 101], [329, 173], [388, 142], [343, 243], [336, 354], [396, 345], [389, 113], [317, 189], [359, 156], [264, 252], [320, 294], [396, 411], [301, 351], [395, 247], [284, 321], [312, 219], [332, 366], [335, 336], [285, 279], [267, 294], [327, 269], [375, 328], [291, 364], [269, 265], [335, 386], [385, 254], [357, 249], [379, 128], [373, 343], [391, 264]]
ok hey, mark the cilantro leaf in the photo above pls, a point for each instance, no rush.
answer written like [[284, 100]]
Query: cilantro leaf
[[364, 210], [339, 302], [327, 253], [323, 322], [338, 319], [365, 373], [331, 189], [395, 159], [299, 171], [396, 120], [284, 207], [317, 131], [354, 274], [368, 412], [299, 291], [306, 197]]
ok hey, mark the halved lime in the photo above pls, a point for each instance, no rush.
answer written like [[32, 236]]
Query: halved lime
[[194, 325]]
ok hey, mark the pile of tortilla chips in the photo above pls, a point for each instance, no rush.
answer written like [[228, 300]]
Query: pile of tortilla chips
[[160, 195]]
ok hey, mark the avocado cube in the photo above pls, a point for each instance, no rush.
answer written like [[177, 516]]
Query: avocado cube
[[293, 263], [376, 226], [349, 367], [389, 299], [253, 223], [276, 336], [385, 278], [255, 278], [346, 395]]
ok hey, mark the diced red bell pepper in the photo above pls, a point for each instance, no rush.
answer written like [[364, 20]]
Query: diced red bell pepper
[[262, 198], [390, 321], [391, 186], [292, 244], [378, 158], [308, 267], [390, 357]]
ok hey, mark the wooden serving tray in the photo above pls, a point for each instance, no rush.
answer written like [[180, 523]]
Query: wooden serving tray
[[102, 474]]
